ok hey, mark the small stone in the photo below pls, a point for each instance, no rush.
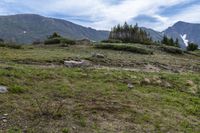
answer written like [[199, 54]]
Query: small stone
[[73, 63], [190, 83], [5, 114], [4, 120], [167, 84], [97, 55], [146, 81], [130, 86], [158, 82], [3, 89]]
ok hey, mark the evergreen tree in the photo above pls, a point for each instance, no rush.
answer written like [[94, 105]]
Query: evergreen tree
[[177, 43], [170, 41], [128, 33], [54, 35], [192, 47]]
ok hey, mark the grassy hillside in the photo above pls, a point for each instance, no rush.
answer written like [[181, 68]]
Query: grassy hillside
[[122, 92]]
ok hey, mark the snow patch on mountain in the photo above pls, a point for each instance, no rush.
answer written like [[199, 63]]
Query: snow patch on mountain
[[185, 40]]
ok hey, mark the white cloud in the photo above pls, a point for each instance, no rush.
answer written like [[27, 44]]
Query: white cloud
[[103, 13]]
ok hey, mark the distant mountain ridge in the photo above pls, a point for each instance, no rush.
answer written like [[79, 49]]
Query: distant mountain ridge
[[183, 31], [26, 28]]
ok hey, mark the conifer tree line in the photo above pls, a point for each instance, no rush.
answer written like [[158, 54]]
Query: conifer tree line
[[129, 34], [170, 41]]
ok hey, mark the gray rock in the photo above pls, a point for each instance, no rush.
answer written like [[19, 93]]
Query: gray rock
[[97, 55], [4, 120], [146, 81], [73, 63], [3, 89], [130, 86]]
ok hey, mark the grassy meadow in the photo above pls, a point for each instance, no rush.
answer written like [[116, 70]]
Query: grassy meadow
[[123, 92]]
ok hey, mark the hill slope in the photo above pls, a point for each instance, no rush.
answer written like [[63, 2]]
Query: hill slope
[[122, 92], [25, 28]]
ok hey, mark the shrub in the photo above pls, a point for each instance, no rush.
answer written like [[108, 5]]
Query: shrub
[[192, 47], [111, 41], [171, 49], [37, 42], [1, 40], [124, 47], [53, 41], [54, 35], [59, 40], [67, 41], [14, 46]]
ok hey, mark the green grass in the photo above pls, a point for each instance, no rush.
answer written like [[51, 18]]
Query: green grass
[[45, 98]]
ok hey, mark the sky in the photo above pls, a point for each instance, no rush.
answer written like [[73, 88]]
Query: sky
[[104, 14]]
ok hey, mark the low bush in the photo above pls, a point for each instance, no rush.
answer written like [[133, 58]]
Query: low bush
[[53, 41], [123, 47], [171, 49], [14, 46], [192, 47], [67, 41], [111, 41], [59, 40]]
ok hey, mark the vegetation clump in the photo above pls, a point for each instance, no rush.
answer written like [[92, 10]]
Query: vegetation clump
[[171, 49], [10, 45], [123, 47], [111, 41], [170, 41], [192, 47], [55, 38]]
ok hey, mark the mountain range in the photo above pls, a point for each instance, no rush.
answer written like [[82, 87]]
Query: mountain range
[[183, 31], [26, 28]]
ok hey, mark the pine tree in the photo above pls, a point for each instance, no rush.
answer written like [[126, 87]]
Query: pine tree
[[128, 33], [192, 47]]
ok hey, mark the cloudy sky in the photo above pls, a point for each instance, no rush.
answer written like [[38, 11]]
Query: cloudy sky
[[103, 14]]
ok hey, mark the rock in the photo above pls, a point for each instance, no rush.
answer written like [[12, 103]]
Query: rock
[[73, 63], [4, 120], [5, 114], [158, 82], [151, 68], [3, 117], [146, 81], [130, 86], [97, 55], [190, 83], [166, 84], [3, 89], [176, 71]]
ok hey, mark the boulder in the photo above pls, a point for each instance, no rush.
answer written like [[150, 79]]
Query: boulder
[[146, 81], [130, 86], [3, 89], [190, 83], [97, 55], [166, 84], [73, 63]]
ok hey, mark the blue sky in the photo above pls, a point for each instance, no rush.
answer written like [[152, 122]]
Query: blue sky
[[103, 14]]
